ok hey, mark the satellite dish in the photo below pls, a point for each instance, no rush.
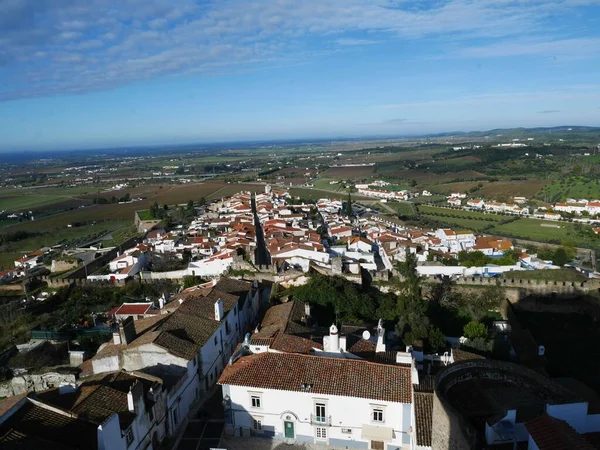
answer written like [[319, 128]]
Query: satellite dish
[[366, 335]]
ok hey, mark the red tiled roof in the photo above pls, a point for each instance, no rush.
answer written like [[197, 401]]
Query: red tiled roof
[[351, 377], [423, 417], [133, 309], [550, 433]]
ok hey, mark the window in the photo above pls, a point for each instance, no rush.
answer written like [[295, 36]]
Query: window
[[257, 424], [256, 401], [176, 416], [129, 436], [378, 415], [377, 445], [227, 328], [320, 412], [151, 414], [321, 433], [216, 340]]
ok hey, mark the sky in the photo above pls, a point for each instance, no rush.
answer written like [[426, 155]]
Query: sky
[[103, 73]]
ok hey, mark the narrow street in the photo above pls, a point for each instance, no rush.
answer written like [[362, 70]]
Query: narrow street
[[261, 255], [204, 431]]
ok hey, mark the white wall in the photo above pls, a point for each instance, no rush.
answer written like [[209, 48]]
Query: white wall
[[109, 434], [575, 414], [346, 413]]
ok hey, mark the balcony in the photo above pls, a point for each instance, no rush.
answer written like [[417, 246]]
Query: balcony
[[320, 420]]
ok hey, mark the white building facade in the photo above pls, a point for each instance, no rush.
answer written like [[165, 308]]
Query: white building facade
[[344, 403]]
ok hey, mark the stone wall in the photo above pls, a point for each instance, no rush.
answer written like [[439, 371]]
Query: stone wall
[[449, 431], [22, 384]]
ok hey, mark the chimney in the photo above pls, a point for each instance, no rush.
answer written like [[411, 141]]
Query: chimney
[[307, 309], [380, 337], [127, 331], [130, 400], [219, 310], [161, 302], [117, 337], [334, 339]]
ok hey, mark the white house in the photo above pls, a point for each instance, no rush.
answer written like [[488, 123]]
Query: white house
[[340, 232], [117, 411], [454, 201], [344, 403], [29, 261], [133, 257], [476, 203], [455, 241], [190, 346]]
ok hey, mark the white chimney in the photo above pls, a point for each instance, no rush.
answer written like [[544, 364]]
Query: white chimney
[[161, 301], [219, 310], [334, 339], [380, 337], [117, 338], [130, 403], [307, 309]]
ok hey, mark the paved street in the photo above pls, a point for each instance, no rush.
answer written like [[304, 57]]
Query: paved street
[[204, 431]]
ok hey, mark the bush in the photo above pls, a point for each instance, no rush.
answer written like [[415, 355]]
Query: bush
[[474, 330]]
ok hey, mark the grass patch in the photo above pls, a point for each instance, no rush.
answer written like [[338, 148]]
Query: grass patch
[[315, 194], [464, 223], [403, 209], [460, 213], [539, 230], [145, 214], [571, 187], [549, 275]]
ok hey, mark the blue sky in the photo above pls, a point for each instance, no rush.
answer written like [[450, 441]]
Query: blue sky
[[94, 73]]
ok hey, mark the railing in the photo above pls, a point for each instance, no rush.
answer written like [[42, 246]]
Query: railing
[[320, 420]]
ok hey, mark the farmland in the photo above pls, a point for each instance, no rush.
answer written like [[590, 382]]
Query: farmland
[[462, 223], [544, 231], [571, 187], [404, 209], [460, 213], [349, 173]]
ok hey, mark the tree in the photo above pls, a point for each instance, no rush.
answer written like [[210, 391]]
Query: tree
[[202, 201], [349, 205], [190, 206], [474, 330], [413, 322], [154, 210], [436, 339], [560, 257]]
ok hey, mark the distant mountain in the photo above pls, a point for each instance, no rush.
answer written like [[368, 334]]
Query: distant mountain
[[524, 132]]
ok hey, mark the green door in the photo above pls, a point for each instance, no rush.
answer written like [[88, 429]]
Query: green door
[[289, 429]]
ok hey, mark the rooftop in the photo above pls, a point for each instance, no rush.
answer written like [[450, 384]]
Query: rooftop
[[34, 426], [353, 378], [550, 433]]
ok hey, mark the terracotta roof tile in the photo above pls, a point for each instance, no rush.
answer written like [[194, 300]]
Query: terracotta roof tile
[[353, 378], [32, 425], [423, 417], [550, 433]]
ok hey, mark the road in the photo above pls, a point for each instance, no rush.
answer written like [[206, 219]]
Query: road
[[261, 255], [204, 431]]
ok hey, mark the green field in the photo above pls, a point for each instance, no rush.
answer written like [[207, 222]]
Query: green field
[[315, 194], [543, 231], [549, 275], [433, 210], [571, 187], [404, 209], [17, 201], [469, 224]]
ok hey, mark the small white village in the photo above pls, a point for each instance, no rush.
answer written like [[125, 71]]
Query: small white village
[[220, 355]]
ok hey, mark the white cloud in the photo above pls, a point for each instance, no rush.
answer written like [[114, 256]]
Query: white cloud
[[99, 44]]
